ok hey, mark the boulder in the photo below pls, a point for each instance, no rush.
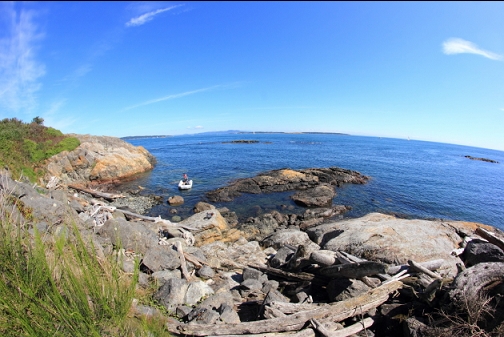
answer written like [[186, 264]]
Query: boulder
[[202, 206], [379, 237], [172, 293], [135, 236], [161, 257], [211, 225], [341, 289], [291, 237], [478, 251], [320, 196], [196, 291], [175, 200], [99, 159]]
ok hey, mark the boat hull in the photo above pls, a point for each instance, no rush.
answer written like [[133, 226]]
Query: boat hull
[[185, 186]]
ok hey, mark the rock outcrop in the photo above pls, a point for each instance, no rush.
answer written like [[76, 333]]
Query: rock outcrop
[[99, 159], [287, 180]]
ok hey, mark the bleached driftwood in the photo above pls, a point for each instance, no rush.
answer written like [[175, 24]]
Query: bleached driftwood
[[345, 332], [335, 312], [107, 196], [183, 264], [473, 282], [302, 333], [420, 268], [156, 220], [431, 265], [490, 237]]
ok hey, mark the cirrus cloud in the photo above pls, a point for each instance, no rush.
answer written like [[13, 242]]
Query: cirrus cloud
[[460, 46], [20, 69], [144, 18]]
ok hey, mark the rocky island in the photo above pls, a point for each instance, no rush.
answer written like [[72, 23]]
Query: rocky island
[[277, 274]]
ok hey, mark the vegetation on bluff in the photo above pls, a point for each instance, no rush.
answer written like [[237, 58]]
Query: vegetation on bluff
[[25, 146]]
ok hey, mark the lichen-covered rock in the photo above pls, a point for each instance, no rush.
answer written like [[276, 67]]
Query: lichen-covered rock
[[287, 180], [384, 238], [99, 159]]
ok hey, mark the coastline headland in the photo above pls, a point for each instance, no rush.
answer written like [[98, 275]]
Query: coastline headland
[[313, 274]]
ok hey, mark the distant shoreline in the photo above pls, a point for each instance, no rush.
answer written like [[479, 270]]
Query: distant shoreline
[[241, 132]]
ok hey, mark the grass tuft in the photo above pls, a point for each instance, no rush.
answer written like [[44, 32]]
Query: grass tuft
[[57, 286]]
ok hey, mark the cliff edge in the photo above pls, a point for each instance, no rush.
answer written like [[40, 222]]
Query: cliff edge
[[99, 159]]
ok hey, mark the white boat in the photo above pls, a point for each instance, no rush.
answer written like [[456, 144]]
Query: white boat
[[185, 185]]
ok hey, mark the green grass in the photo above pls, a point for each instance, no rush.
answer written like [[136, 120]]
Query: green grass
[[57, 286], [25, 146]]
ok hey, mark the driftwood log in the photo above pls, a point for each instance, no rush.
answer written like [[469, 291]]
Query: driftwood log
[[348, 331], [473, 282], [335, 312], [355, 270], [490, 237], [106, 196]]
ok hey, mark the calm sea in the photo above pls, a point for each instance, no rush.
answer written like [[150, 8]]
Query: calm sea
[[413, 179]]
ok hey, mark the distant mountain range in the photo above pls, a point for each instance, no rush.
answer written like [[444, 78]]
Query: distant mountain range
[[234, 132]]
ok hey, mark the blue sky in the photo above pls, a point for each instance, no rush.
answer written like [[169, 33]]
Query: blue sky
[[425, 70]]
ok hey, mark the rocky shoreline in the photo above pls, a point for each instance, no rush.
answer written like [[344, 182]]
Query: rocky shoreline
[[315, 274]]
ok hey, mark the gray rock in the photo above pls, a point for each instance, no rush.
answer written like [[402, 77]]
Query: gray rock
[[478, 251], [175, 200], [182, 311], [205, 272], [203, 316], [143, 280], [164, 275], [172, 293], [343, 289], [281, 257], [254, 274], [135, 236], [291, 237], [128, 266], [196, 291], [146, 311], [320, 196], [228, 315], [252, 284], [217, 299], [270, 285], [202, 206], [161, 257], [384, 238]]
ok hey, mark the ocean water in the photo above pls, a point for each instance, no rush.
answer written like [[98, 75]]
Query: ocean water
[[409, 178]]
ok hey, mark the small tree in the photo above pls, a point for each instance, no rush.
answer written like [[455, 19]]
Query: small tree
[[38, 120]]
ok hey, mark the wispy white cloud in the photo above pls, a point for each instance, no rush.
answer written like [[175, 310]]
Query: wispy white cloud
[[20, 70], [183, 94], [144, 18], [195, 127], [459, 46]]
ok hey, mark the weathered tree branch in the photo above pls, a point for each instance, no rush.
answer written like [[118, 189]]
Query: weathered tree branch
[[490, 237], [107, 196], [336, 312]]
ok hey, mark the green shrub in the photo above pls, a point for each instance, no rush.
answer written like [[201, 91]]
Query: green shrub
[[24, 147], [53, 132]]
